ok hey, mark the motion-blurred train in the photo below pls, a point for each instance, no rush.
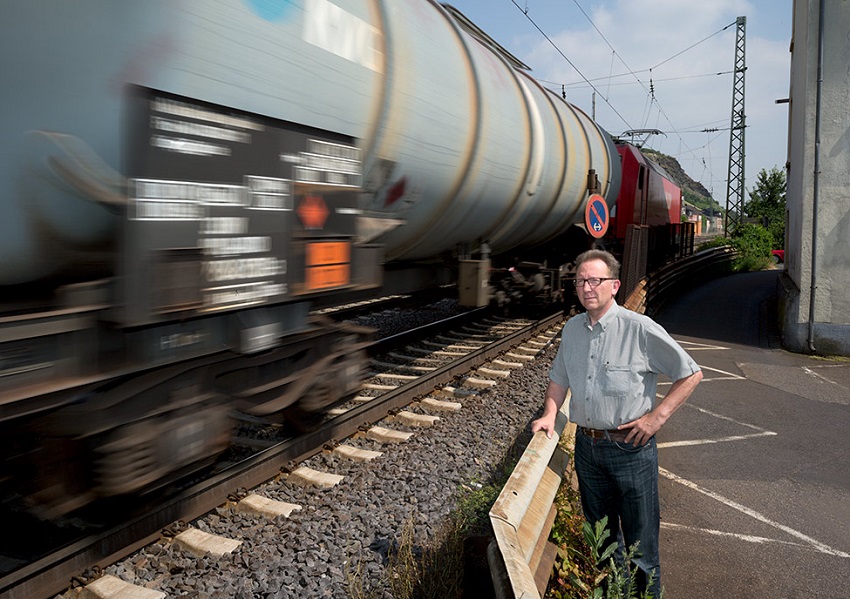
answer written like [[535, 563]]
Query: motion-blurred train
[[181, 182]]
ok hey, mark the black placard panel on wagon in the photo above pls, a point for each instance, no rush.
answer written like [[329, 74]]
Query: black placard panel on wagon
[[212, 194]]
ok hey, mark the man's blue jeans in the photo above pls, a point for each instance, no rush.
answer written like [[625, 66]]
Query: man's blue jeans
[[620, 480]]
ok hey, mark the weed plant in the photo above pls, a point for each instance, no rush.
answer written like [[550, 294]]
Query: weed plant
[[585, 567], [433, 568]]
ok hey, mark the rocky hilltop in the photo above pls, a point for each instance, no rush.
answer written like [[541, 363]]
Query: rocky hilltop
[[694, 193]]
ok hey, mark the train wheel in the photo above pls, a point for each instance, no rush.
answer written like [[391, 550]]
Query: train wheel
[[302, 421], [307, 414]]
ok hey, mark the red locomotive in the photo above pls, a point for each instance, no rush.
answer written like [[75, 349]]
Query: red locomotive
[[645, 229], [647, 195]]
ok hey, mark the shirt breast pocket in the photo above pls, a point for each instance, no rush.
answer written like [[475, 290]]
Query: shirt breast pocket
[[619, 380]]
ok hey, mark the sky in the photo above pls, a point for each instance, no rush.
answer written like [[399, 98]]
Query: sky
[[659, 64]]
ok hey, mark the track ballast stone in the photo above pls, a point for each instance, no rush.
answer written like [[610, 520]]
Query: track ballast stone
[[348, 530]]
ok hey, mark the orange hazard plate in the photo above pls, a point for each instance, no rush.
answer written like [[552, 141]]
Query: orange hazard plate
[[325, 277], [328, 252]]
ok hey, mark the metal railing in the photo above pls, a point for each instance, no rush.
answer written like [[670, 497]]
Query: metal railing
[[657, 288]]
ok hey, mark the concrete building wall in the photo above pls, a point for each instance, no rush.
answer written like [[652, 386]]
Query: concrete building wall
[[818, 231]]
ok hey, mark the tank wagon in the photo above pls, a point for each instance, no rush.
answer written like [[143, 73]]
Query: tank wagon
[[181, 181]]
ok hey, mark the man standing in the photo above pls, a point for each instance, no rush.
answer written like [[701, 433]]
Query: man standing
[[610, 359]]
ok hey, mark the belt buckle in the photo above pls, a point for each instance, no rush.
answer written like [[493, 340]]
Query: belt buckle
[[593, 433]]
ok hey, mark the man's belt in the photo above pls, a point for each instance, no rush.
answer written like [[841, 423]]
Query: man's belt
[[612, 434]]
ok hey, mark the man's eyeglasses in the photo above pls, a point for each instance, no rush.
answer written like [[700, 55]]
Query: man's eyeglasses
[[593, 281]]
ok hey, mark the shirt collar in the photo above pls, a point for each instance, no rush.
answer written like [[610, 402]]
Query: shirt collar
[[606, 319]]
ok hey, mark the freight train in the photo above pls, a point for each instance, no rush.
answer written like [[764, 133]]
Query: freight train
[[181, 182]]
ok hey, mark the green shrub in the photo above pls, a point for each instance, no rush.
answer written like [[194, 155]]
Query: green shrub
[[767, 203], [752, 239], [753, 244]]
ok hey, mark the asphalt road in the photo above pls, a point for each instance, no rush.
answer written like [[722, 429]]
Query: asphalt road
[[755, 467]]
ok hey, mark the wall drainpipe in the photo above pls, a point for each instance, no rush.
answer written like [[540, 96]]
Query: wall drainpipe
[[816, 182]]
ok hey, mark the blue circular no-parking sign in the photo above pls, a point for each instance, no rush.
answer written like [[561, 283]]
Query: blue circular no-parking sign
[[596, 216]]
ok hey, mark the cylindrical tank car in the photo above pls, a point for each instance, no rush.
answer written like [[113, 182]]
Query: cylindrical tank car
[[180, 180]]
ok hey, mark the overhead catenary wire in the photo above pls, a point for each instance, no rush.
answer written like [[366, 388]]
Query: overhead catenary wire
[[652, 98], [581, 84], [564, 56], [719, 31], [650, 92]]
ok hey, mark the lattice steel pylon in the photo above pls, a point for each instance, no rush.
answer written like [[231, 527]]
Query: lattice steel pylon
[[735, 177]]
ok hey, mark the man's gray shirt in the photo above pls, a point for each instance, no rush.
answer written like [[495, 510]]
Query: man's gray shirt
[[612, 368]]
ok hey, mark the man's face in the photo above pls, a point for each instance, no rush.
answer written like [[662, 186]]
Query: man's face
[[595, 299]]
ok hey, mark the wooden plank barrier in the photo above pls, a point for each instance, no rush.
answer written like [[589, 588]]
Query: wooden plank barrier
[[521, 557]]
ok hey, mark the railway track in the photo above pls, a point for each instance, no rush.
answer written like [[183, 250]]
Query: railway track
[[416, 376]]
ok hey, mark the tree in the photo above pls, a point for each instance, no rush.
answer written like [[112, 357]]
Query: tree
[[767, 203]]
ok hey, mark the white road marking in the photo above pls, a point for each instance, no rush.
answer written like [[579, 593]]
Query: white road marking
[[808, 542], [713, 441], [732, 420], [729, 376], [693, 346], [817, 375], [739, 536], [814, 543], [761, 431]]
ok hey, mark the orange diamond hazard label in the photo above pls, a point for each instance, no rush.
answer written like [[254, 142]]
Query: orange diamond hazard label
[[313, 212]]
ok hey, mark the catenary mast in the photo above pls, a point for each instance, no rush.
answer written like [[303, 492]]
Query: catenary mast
[[735, 177]]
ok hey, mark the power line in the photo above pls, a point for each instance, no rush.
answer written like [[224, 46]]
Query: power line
[[564, 56], [650, 92], [652, 99], [581, 85], [694, 45]]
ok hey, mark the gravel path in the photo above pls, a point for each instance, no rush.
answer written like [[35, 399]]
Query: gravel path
[[352, 526]]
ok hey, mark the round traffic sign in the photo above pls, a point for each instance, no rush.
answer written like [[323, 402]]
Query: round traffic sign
[[596, 216]]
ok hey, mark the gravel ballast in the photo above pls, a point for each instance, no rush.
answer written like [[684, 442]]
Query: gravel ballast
[[345, 532]]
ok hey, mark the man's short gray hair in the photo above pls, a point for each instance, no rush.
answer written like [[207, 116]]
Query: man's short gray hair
[[607, 257]]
